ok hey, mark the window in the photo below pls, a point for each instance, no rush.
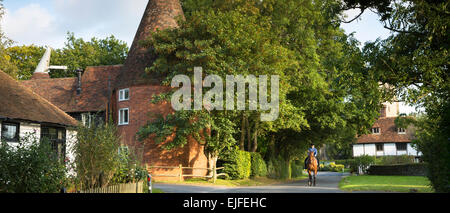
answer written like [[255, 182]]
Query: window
[[376, 130], [123, 116], [86, 119], [380, 147], [57, 138], [401, 131], [10, 132], [401, 146], [124, 94]]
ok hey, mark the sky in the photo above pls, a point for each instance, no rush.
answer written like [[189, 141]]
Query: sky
[[46, 22]]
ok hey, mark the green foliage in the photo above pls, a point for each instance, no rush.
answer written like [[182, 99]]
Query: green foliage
[[279, 168], [31, 166], [361, 163], [331, 166], [326, 95], [96, 155], [6, 65], [258, 165], [237, 164], [414, 61], [26, 59], [394, 160], [297, 168], [76, 54], [345, 162], [433, 141], [129, 168]]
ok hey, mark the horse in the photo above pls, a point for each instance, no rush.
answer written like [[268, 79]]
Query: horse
[[312, 167]]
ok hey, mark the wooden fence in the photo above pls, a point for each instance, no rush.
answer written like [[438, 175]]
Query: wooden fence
[[119, 188], [180, 174]]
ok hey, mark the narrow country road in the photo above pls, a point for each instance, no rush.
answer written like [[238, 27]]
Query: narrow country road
[[327, 182]]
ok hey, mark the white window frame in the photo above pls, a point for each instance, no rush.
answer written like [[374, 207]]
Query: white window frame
[[373, 132], [86, 119], [121, 118], [122, 93], [401, 132]]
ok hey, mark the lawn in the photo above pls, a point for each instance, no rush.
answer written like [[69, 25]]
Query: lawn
[[386, 183], [258, 181]]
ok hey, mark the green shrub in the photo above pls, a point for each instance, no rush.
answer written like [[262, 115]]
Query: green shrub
[[296, 169], [345, 162], [129, 168], [279, 169], [258, 165], [338, 168], [361, 163], [394, 160], [96, 155], [31, 166], [237, 164]]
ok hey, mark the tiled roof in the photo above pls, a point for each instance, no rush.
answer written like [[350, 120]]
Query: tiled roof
[[159, 14], [96, 84], [19, 102], [388, 133]]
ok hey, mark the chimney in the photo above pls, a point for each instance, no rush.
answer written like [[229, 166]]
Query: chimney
[[79, 73], [383, 112]]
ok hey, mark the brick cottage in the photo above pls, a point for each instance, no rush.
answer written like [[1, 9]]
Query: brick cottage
[[124, 92]]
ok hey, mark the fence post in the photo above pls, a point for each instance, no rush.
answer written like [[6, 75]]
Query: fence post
[[181, 172]]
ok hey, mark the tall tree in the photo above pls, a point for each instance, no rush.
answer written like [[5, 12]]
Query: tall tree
[[415, 60], [76, 54], [5, 60], [324, 86]]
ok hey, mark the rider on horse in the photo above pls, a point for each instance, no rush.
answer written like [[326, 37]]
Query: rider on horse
[[312, 149]]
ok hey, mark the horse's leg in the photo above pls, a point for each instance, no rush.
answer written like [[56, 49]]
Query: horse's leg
[[315, 174], [309, 180]]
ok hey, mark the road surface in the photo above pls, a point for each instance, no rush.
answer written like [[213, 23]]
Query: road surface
[[327, 182]]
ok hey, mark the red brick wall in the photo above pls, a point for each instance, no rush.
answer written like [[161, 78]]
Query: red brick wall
[[140, 112]]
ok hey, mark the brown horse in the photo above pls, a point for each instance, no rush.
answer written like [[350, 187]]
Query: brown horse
[[312, 167]]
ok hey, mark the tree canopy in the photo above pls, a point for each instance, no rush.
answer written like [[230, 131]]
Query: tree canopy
[[76, 54], [414, 60], [325, 89]]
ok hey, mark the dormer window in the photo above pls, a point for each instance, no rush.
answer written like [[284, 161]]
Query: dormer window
[[401, 131], [376, 130], [124, 94]]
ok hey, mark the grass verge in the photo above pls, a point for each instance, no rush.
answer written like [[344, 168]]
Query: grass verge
[[257, 181], [386, 183]]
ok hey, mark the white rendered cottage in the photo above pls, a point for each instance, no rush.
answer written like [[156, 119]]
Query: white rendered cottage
[[386, 139], [23, 112]]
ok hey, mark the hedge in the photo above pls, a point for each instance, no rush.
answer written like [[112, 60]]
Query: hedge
[[258, 165], [237, 164], [361, 163], [278, 168], [416, 169]]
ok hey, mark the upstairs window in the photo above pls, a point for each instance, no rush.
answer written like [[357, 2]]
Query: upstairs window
[[401, 146], [379, 147], [10, 132], [401, 131], [376, 130], [124, 94], [123, 116], [86, 119]]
